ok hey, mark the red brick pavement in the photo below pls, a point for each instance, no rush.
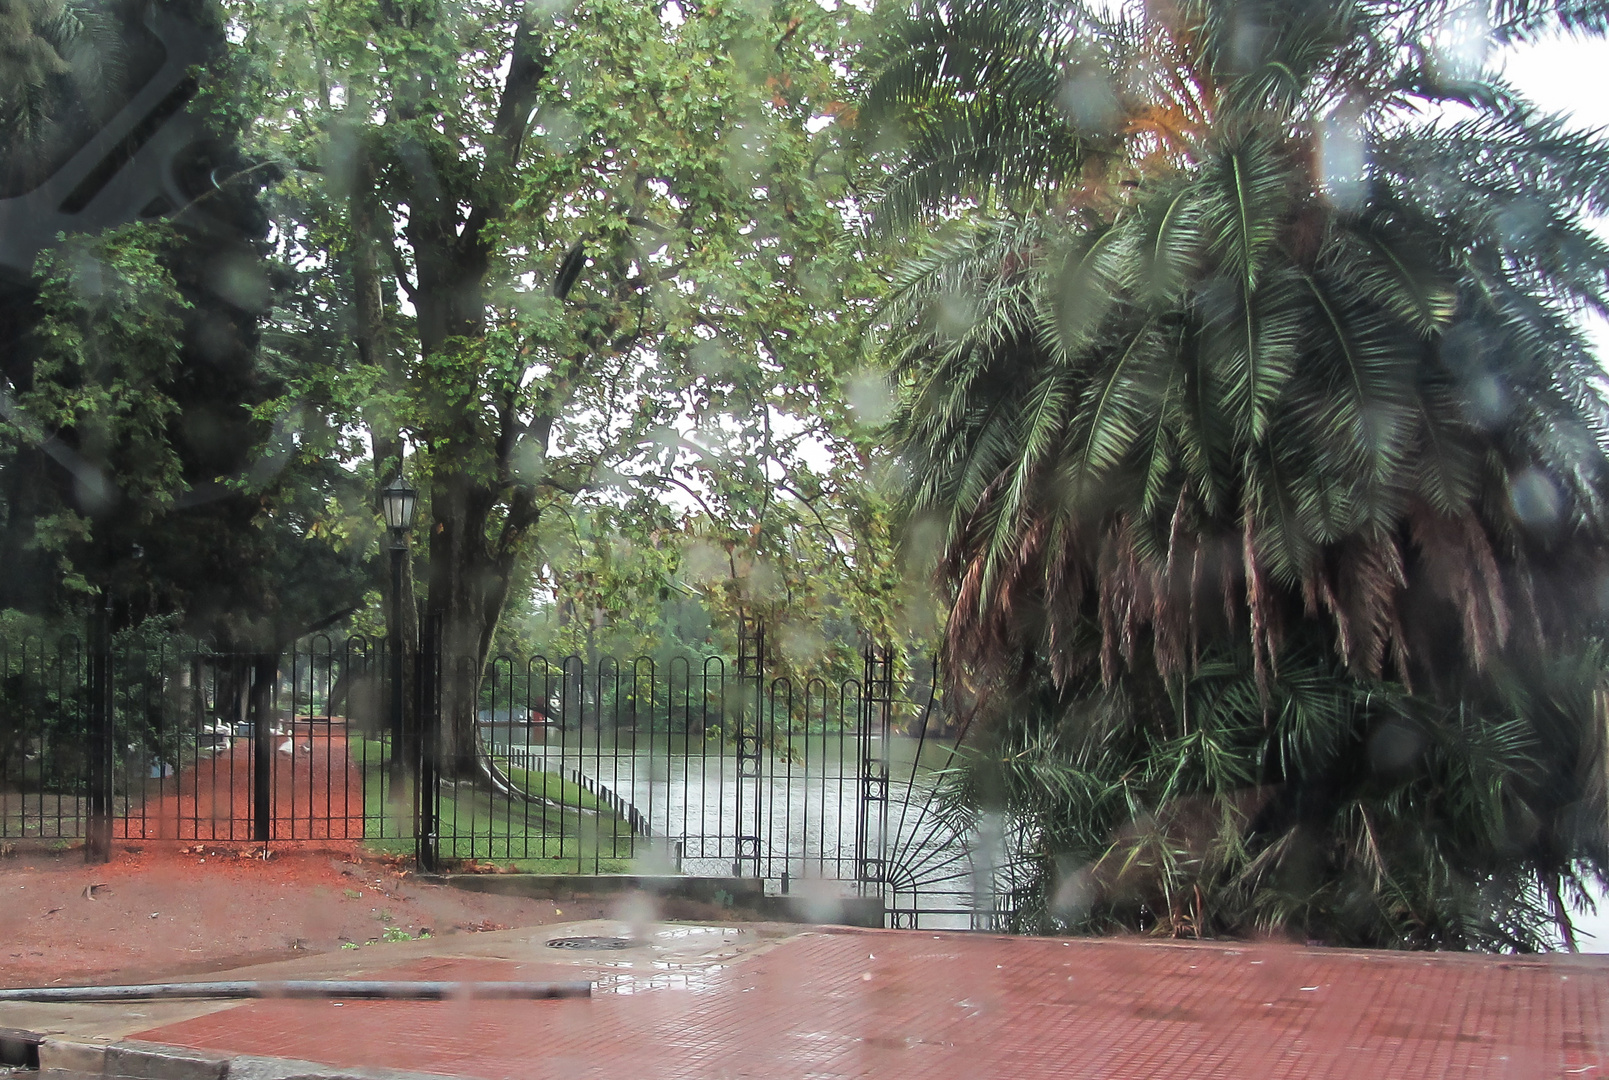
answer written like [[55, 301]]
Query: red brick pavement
[[913, 1004]]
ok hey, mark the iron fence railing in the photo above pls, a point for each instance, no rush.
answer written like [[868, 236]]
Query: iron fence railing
[[696, 765], [692, 765]]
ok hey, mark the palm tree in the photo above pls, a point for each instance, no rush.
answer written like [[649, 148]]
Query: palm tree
[[1248, 346]]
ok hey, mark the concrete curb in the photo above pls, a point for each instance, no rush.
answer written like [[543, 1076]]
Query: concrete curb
[[737, 894], [725, 891], [860, 911], [247, 1067], [60, 1059]]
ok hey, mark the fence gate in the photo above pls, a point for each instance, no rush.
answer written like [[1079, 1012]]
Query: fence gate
[[824, 784]]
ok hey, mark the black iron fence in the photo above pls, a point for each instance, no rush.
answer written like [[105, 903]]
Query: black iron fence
[[696, 766], [693, 766], [173, 740]]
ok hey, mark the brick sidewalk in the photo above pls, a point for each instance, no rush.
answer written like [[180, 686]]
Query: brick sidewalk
[[909, 1004]]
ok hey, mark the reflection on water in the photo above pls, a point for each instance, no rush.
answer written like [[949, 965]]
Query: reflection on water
[[661, 975]]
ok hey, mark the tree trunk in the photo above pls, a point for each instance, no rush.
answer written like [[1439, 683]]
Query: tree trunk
[[472, 545], [449, 232], [376, 347], [469, 581]]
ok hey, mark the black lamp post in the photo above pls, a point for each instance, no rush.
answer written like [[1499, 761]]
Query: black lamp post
[[397, 504]]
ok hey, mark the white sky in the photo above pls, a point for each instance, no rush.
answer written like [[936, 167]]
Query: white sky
[[1568, 76]]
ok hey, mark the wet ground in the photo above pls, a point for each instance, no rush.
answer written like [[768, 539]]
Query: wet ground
[[173, 909], [709, 1000], [765, 1000], [713, 1002]]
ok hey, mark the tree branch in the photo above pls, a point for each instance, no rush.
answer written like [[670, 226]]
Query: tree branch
[[832, 537], [526, 69], [400, 268]]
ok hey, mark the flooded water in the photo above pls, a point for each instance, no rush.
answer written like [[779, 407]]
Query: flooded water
[[806, 818]]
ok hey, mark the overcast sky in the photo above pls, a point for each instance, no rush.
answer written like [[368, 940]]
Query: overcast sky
[[1567, 76]]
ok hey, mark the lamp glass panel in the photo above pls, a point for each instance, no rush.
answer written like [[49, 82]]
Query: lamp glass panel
[[397, 504]]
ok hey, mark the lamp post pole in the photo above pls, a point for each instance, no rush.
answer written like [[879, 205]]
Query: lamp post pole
[[397, 503], [399, 551]]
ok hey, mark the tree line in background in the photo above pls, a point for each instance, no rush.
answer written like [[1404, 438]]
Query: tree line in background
[[1218, 361]]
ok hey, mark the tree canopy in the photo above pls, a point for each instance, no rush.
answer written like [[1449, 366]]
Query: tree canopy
[[133, 465], [567, 255]]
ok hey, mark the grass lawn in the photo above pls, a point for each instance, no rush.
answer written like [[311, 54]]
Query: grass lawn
[[553, 787], [576, 834]]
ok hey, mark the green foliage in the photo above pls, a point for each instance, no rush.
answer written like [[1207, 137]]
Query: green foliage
[[607, 588], [42, 700], [630, 316], [1320, 807], [109, 353], [131, 465], [89, 425], [1266, 367]]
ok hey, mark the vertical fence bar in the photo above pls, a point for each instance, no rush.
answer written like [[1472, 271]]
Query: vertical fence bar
[[262, 755], [566, 712], [426, 786], [98, 837], [9, 722], [285, 818]]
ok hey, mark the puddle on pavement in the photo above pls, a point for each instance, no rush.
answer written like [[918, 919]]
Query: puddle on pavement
[[687, 933], [596, 943], [665, 958], [661, 975]]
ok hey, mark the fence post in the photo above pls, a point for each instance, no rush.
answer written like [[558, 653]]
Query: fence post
[[750, 753], [98, 834], [263, 668], [871, 826], [426, 667]]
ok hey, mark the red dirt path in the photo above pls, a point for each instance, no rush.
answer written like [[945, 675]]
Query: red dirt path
[[317, 793], [171, 909], [908, 1004]]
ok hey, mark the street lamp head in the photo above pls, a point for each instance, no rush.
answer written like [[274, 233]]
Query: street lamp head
[[397, 502]]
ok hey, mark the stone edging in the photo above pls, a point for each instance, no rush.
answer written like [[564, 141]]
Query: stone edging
[[60, 1059]]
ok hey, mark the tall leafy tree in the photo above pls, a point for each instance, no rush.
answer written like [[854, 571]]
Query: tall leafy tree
[[1252, 352], [132, 467], [561, 250]]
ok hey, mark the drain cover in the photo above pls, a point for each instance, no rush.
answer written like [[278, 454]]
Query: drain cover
[[594, 943]]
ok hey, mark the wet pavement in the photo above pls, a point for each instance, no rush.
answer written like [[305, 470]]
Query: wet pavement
[[767, 1000]]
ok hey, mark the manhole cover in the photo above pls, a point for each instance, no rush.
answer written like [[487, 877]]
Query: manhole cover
[[594, 943]]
